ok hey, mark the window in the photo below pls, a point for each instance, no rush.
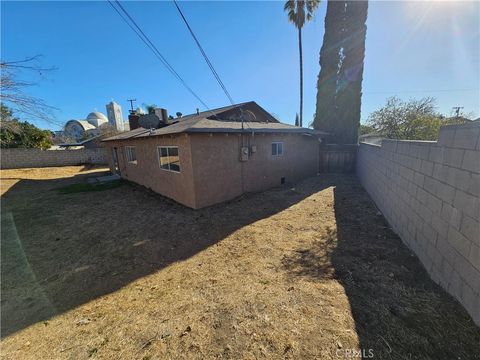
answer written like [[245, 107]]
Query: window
[[168, 158], [131, 154], [277, 148]]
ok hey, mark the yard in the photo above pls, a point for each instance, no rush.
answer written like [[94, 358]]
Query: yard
[[298, 272]]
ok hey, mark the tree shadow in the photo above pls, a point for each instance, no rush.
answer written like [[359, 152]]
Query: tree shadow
[[399, 312], [59, 251]]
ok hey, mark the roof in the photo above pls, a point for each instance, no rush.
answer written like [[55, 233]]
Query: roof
[[83, 123], [96, 115], [80, 143], [221, 120]]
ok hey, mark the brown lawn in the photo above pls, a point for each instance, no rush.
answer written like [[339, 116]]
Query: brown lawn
[[304, 272]]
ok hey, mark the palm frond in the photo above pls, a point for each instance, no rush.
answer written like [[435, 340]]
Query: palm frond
[[300, 11]]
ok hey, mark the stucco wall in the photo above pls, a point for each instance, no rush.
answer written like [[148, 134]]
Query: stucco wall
[[147, 172], [211, 171], [299, 160], [220, 176], [24, 158], [216, 168], [430, 194]]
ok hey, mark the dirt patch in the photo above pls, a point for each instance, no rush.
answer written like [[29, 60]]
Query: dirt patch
[[86, 187], [309, 271]]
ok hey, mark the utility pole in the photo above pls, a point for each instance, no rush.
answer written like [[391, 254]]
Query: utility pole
[[456, 110], [131, 104]]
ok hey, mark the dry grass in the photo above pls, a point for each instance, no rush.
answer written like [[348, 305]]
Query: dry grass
[[305, 272]]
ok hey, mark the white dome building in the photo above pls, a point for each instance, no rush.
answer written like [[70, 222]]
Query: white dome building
[[81, 129], [97, 119]]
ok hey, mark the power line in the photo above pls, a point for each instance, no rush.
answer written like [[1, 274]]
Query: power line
[[207, 60], [210, 65], [145, 39], [418, 91], [139, 32]]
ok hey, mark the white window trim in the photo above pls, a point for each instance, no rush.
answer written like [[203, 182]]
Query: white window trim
[[277, 142], [160, 164], [128, 154]]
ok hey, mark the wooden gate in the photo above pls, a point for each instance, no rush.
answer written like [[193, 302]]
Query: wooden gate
[[337, 158]]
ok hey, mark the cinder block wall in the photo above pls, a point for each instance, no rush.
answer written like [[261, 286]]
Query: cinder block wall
[[24, 158], [430, 194]]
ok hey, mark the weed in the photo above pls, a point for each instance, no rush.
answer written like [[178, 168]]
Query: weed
[[92, 351]]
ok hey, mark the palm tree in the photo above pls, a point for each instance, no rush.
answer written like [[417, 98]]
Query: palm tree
[[299, 12], [151, 108]]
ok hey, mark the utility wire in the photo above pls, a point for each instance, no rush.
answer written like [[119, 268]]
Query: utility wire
[[209, 63], [145, 39], [418, 91], [207, 60], [138, 31]]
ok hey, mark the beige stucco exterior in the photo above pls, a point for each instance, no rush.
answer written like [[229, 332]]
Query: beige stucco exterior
[[211, 170]]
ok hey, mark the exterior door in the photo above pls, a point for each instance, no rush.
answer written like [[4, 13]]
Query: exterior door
[[116, 166]]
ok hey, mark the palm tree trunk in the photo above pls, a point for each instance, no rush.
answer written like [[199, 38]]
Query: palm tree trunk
[[301, 75]]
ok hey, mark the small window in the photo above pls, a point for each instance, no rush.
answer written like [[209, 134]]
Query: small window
[[277, 149], [131, 154], [168, 158]]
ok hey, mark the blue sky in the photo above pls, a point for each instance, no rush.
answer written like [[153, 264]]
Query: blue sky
[[413, 49]]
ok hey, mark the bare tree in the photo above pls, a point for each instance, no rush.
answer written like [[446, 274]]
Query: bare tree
[[13, 89], [107, 130]]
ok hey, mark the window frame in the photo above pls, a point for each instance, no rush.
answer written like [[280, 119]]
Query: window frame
[[277, 143], [128, 154], [167, 147]]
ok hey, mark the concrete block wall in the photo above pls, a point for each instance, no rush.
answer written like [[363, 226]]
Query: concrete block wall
[[429, 192], [25, 158]]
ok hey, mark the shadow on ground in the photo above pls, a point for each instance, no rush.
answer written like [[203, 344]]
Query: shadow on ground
[[399, 312], [59, 251]]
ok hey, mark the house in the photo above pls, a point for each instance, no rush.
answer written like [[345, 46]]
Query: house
[[213, 156]]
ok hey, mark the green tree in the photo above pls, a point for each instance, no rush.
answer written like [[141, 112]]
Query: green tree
[[15, 134], [151, 108], [5, 113], [326, 112], [340, 79], [365, 129], [6, 119], [299, 12], [349, 89], [409, 120]]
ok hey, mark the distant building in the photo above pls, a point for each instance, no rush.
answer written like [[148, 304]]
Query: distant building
[[373, 138], [115, 118], [77, 130], [81, 129]]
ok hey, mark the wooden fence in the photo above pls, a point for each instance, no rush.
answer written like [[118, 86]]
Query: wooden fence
[[337, 158]]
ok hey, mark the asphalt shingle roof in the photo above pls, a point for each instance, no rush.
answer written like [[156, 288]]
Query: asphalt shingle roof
[[205, 122]]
